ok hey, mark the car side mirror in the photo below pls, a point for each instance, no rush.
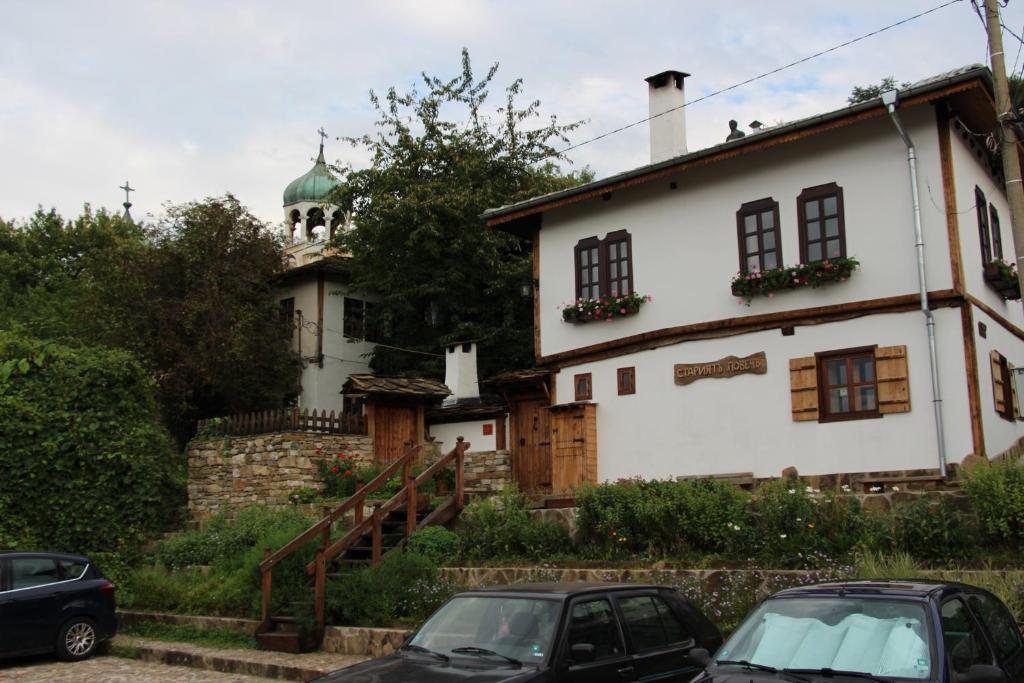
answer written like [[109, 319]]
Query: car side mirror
[[982, 673], [582, 653], [699, 656]]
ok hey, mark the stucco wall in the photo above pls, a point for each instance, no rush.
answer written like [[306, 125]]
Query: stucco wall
[[473, 432], [744, 423], [685, 243], [1000, 434], [238, 471]]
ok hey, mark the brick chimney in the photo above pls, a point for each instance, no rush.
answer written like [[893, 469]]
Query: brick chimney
[[668, 131]]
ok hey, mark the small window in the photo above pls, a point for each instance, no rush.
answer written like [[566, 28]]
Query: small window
[[997, 237], [981, 209], [649, 622], [31, 572], [964, 642], [999, 621], [847, 384], [604, 267], [627, 381], [584, 390], [758, 226], [357, 319], [287, 308], [822, 226], [593, 623], [1003, 389], [72, 570]]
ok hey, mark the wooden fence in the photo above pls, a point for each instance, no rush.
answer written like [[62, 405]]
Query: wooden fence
[[288, 420]]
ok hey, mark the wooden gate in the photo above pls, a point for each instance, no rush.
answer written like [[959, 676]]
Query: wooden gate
[[394, 427], [574, 451], [531, 445]]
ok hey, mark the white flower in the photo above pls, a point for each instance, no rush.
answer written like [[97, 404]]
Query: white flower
[[799, 520], [808, 489], [845, 487], [896, 488], [817, 490], [792, 491], [875, 489], [782, 535]]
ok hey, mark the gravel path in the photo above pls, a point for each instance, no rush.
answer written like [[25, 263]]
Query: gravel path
[[109, 670]]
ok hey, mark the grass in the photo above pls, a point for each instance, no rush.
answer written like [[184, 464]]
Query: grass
[[187, 633]]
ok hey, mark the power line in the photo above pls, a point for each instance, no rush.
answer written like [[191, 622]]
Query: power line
[[755, 78]]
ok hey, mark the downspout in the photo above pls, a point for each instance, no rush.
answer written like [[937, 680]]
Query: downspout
[[889, 100]]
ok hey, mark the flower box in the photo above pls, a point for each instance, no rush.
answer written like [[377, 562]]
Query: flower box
[[603, 308], [1002, 277], [746, 286]]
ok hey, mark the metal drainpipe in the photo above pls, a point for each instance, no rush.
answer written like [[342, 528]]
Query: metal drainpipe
[[889, 100]]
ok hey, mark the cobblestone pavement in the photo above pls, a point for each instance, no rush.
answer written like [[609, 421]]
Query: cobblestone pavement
[[110, 670]]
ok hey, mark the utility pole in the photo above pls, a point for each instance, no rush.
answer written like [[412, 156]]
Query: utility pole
[[1007, 136]]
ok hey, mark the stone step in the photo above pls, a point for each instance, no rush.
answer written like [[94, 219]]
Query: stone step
[[271, 665]]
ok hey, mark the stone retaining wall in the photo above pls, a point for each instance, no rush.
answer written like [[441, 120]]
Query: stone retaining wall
[[488, 471], [233, 472]]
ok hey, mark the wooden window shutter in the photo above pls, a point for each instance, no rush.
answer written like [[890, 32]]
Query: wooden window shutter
[[803, 388], [1013, 393], [998, 388], [893, 379]]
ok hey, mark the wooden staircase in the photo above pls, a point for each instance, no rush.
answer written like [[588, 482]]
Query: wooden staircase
[[370, 538]]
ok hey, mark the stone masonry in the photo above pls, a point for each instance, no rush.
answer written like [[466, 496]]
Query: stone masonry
[[488, 471], [233, 472]]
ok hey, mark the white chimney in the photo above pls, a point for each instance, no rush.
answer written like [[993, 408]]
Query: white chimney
[[460, 373], [668, 131]]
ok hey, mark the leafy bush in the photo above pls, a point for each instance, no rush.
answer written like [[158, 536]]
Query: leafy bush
[[86, 466], [404, 586], [997, 496], [935, 531], [501, 527], [435, 542], [339, 474]]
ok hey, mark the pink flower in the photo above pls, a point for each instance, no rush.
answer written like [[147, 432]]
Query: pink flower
[[740, 301], [650, 298], [771, 294], [622, 311]]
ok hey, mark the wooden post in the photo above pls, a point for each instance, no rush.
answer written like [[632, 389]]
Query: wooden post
[[325, 535], [376, 536], [410, 515], [320, 584], [268, 577], [460, 458]]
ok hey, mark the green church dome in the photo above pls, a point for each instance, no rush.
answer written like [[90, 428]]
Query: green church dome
[[314, 186]]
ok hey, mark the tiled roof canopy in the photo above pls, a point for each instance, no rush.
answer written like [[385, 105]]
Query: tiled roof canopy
[[412, 387]]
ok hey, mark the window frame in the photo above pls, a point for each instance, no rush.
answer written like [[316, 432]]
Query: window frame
[[1007, 377], [821, 358], [997, 606], [819, 193], [996, 232], [756, 208], [984, 234], [981, 636], [603, 286], [364, 308], [588, 395], [620, 381], [598, 662], [631, 643]]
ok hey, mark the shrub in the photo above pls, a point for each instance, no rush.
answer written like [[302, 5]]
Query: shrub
[[338, 474], [86, 466], [435, 542], [404, 586], [997, 496], [934, 531], [501, 527]]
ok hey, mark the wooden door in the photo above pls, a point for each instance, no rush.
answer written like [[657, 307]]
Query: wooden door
[[394, 427], [574, 447], [531, 446]]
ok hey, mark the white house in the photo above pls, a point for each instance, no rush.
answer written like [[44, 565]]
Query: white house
[[331, 334], [840, 378]]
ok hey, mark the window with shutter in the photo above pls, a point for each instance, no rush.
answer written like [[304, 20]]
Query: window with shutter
[[803, 388], [1004, 390], [893, 379], [850, 384]]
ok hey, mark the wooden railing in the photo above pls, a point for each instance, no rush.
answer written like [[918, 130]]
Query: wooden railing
[[289, 419], [374, 524]]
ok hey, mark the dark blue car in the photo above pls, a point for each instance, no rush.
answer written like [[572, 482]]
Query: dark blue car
[[50, 602], [875, 630]]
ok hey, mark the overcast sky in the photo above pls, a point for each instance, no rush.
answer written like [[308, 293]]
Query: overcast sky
[[194, 98]]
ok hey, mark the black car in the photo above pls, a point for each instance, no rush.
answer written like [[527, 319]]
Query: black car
[[51, 602], [559, 632], [877, 630]]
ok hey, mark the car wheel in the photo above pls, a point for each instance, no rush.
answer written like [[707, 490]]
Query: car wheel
[[77, 639]]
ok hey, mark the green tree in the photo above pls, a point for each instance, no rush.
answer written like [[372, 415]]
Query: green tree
[[870, 92], [85, 465], [439, 159]]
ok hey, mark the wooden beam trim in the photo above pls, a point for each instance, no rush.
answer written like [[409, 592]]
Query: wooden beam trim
[[754, 323], [990, 312], [973, 387], [320, 318], [731, 153], [535, 291], [949, 195]]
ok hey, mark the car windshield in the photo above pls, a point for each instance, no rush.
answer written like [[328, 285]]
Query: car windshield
[[881, 637], [520, 628]]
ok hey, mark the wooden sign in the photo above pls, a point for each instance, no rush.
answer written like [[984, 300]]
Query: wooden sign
[[730, 366]]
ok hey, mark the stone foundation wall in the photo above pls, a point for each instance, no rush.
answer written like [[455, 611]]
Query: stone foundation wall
[[488, 471], [233, 472]]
